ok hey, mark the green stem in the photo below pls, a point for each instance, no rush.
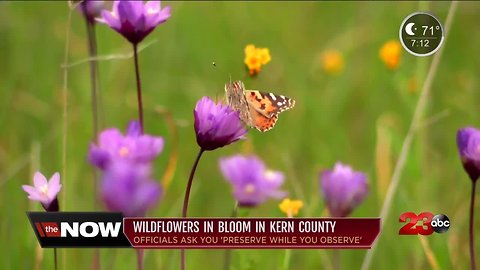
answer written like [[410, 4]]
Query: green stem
[[472, 242], [286, 259], [92, 51], [140, 253], [228, 252], [55, 261], [336, 259], [139, 87], [186, 198]]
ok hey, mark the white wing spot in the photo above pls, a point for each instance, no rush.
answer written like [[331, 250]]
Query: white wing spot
[[272, 96], [279, 103]]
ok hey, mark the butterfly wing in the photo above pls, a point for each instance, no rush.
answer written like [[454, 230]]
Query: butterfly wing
[[268, 104], [261, 122], [256, 109], [235, 96]]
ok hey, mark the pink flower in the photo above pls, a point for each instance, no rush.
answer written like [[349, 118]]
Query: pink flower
[[468, 143], [133, 146], [343, 189], [252, 182], [43, 191], [216, 125], [133, 19], [128, 188]]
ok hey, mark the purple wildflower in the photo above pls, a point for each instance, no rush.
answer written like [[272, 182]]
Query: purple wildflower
[[216, 125], [91, 9], [45, 191], [129, 189], [133, 147], [134, 19], [343, 189], [252, 182], [468, 143]]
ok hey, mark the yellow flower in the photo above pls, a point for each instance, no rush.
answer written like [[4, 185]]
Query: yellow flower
[[290, 207], [255, 58], [390, 54], [332, 61], [264, 54], [254, 63], [249, 49]]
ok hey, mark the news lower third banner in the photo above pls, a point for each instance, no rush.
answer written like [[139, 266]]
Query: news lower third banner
[[106, 229]]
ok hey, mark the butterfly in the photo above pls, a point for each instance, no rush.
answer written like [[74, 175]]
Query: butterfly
[[257, 109]]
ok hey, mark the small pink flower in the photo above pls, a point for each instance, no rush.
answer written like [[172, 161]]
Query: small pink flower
[[43, 191]]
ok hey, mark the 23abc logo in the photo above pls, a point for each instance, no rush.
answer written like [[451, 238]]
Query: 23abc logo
[[430, 223]]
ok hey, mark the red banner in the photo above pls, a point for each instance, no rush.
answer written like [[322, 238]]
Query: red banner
[[304, 233]]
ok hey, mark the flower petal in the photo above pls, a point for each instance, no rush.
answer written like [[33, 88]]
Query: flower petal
[[34, 194], [39, 180], [29, 189], [343, 189], [251, 183], [98, 157], [109, 19], [130, 11], [134, 129], [148, 147], [54, 186], [163, 16], [146, 196], [152, 7]]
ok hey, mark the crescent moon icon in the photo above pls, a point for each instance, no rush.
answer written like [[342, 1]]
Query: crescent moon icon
[[408, 29]]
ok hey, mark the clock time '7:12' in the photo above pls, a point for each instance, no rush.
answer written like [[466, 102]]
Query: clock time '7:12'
[[421, 42]]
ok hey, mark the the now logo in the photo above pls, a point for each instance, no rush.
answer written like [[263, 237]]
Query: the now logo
[[428, 223], [79, 229]]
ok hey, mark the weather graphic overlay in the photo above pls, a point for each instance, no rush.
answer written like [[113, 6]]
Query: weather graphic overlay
[[421, 34]]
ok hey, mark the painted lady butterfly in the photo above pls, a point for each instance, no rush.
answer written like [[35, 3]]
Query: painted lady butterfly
[[257, 109]]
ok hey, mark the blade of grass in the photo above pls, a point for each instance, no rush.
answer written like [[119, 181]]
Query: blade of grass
[[383, 159], [419, 110], [108, 57], [34, 166], [432, 260], [65, 122], [173, 158]]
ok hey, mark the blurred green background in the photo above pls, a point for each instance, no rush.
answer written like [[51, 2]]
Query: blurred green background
[[359, 116]]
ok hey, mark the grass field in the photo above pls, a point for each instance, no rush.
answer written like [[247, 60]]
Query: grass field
[[359, 116]]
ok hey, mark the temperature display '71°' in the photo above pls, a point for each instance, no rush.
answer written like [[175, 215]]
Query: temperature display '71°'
[[421, 34]]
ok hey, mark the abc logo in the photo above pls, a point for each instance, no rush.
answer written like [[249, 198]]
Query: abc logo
[[440, 223], [424, 223]]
